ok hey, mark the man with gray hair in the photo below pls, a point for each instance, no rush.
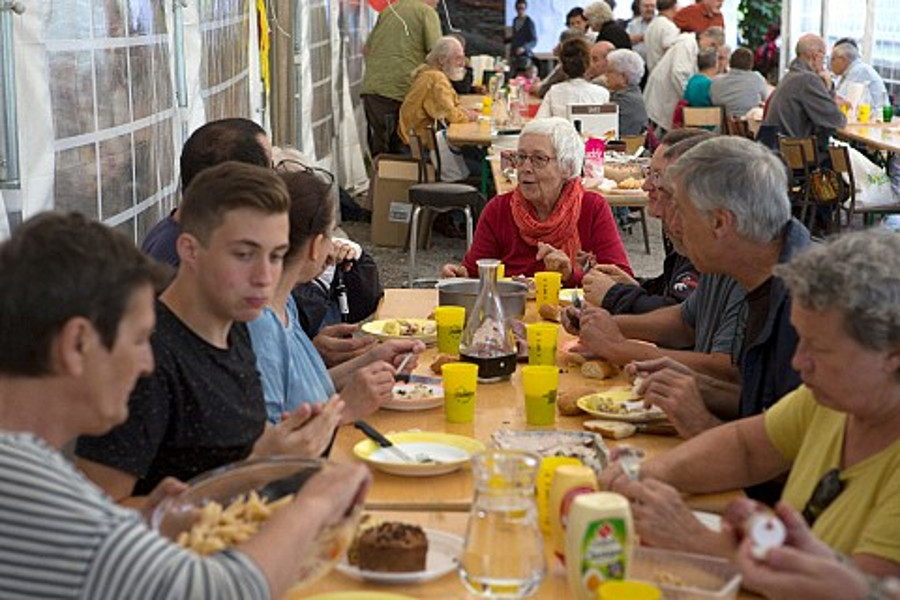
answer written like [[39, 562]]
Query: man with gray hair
[[803, 104], [666, 83], [732, 209], [431, 96], [849, 68]]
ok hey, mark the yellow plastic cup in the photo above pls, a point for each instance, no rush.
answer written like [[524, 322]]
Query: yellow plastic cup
[[542, 340], [450, 323], [865, 112], [486, 104], [501, 271], [540, 383], [628, 590], [460, 384], [547, 285]]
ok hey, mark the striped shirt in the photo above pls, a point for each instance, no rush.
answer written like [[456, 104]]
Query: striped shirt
[[62, 537]]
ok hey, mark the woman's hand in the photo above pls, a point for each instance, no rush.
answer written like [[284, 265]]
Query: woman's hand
[[394, 351], [555, 260], [305, 433], [337, 344], [451, 270], [368, 388], [342, 252], [167, 487]]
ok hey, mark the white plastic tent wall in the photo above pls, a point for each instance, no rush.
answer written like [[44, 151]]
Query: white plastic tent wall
[[101, 115]]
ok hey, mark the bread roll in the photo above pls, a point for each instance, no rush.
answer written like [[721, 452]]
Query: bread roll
[[599, 369], [440, 360], [615, 430], [573, 359], [566, 400], [549, 312]]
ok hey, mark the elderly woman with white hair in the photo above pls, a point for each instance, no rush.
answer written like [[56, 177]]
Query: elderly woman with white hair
[[836, 437], [601, 19], [624, 71], [431, 96], [549, 221]]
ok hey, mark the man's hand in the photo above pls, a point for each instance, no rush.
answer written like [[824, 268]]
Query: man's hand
[[451, 270], [616, 274], [677, 394], [600, 334], [570, 317], [368, 388], [555, 260], [305, 433], [598, 281], [337, 344], [643, 368]]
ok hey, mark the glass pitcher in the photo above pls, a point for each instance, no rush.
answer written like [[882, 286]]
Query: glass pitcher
[[503, 554], [488, 339]]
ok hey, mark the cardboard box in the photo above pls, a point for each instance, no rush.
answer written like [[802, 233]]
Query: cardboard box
[[391, 210]]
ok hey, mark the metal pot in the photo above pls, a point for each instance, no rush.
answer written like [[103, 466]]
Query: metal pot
[[463, 292]]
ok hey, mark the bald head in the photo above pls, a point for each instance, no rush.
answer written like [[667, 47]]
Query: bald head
[[809, 45], [599, 64]]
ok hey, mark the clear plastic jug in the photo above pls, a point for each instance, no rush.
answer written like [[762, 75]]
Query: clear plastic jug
[[503, 554], [488, 339]]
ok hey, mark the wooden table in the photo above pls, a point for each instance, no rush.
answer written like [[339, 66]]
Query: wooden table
[[441, 502], [876, 136], [634, 198]]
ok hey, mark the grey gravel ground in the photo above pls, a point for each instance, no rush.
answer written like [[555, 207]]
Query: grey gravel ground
[[393, 263]]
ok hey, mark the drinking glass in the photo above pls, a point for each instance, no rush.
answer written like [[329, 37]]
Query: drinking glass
[[503, 554]]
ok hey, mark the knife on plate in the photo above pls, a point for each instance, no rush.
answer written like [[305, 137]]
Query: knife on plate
[[376, 436]]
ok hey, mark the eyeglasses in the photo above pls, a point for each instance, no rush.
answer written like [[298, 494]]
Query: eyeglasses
[[654, 175], [538, 161], [826, 491]]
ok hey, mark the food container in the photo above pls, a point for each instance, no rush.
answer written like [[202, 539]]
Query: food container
[[463, 292], [586, 446], [683, 576], [272, 478]]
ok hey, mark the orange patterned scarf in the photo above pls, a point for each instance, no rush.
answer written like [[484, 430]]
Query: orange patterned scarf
[[560, 230]]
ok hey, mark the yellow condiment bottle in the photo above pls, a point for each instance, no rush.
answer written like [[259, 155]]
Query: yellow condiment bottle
[[599, 542], [547, 471], [568, 482]]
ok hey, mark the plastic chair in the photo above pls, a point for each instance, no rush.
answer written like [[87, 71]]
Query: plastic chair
[[705, 117], [436, 197], [840, 162]]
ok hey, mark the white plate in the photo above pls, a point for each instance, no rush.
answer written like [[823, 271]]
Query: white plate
[[453, 451], [376, 328], [399, 402], [444, 550], [619, 396], [710, 520]]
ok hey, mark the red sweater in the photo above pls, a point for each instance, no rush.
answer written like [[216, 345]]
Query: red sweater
[[498, 237]]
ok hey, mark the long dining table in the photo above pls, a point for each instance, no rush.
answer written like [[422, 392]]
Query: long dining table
[[441, 502]]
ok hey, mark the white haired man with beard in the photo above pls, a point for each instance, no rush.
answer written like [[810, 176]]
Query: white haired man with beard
[[431, 96]]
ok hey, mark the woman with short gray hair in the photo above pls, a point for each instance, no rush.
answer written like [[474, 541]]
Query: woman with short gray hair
[[549, 222], [601, 19], [623, 77]]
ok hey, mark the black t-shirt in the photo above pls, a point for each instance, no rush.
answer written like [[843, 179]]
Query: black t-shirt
[[202, 407], [757, 311]]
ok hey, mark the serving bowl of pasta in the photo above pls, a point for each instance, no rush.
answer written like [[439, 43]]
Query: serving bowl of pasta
[[227, 506]]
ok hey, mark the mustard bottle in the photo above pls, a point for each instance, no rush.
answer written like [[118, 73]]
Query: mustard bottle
[[568, 482], [599, 542]]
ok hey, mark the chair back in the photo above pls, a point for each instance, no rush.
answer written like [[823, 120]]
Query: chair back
[[633, 142], [798, 153], [840, 162], [431, 132], [420, 153], [705, 117], [735, 125]]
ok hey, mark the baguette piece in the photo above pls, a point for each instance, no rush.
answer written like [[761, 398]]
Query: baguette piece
[[440, 360], [615, 430], [599, 369], [566, 400]]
